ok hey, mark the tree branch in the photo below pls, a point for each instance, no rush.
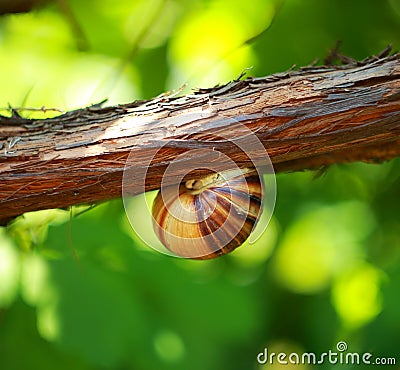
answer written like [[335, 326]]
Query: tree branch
[[19, 6], [307, 118]]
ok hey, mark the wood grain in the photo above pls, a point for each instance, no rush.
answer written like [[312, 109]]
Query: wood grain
[[305, 119]]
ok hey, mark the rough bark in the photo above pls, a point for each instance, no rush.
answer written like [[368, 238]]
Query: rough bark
[[305, 118]]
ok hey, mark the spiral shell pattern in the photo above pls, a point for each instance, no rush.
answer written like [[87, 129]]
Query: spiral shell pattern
[[209, 217]]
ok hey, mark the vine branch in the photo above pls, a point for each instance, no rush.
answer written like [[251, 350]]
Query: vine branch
[[306, 118]]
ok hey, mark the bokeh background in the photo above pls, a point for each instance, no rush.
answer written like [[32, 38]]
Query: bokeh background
[[79, 290]]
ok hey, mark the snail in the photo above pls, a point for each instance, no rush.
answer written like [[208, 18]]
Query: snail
[[208, 217]]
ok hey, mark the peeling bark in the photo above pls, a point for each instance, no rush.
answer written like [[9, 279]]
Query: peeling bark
[[307, 118]]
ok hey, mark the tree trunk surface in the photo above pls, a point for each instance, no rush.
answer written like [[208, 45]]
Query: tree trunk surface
[[306, 119]]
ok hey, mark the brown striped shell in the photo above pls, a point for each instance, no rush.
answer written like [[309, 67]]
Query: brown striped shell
[[209, 217]]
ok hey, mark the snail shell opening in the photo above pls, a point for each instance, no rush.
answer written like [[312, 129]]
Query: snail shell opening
[[208, 217]]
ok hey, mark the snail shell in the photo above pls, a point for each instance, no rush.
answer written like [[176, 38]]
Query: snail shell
[[209, 217]]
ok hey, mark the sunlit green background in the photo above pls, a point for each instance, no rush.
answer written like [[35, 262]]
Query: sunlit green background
[[81, 292]]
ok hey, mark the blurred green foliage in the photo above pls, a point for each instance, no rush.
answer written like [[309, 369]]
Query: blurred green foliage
[[82, 291]]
